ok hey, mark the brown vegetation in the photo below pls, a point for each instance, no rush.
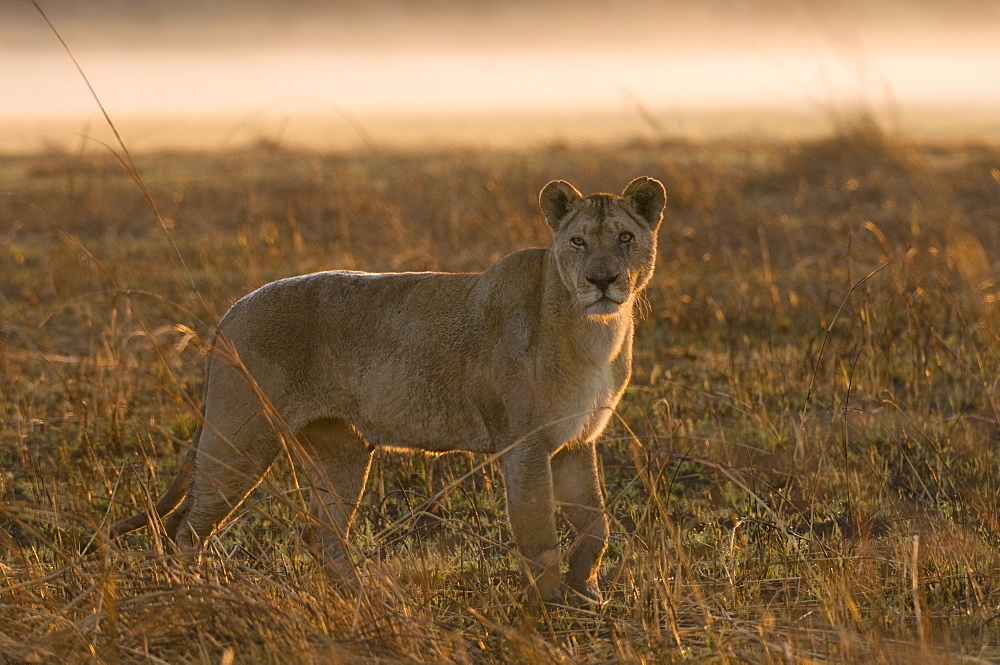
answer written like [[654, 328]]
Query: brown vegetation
[[804, 469]]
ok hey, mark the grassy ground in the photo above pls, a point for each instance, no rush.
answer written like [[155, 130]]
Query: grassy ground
[[804, 469]]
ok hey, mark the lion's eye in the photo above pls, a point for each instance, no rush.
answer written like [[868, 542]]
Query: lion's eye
[[625, 237], [578, 242]]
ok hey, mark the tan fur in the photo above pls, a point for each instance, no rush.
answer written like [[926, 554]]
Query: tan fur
[[529, 357]]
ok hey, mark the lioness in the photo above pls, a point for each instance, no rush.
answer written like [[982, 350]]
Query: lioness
[[527, 359]]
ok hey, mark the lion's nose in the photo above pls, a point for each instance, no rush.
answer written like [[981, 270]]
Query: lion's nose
[[602, 281]]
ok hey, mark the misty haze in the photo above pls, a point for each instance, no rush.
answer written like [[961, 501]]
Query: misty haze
[[199, 73]]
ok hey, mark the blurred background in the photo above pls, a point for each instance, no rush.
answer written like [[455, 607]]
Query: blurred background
[[214, 74]]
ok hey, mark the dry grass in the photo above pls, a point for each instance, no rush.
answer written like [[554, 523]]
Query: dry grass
[[804, 469]]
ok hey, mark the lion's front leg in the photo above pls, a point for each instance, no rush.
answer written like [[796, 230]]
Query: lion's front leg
[[577, 490], [531, 510]]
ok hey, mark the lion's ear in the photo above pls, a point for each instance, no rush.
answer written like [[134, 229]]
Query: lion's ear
[[647, 197], [556, 199]]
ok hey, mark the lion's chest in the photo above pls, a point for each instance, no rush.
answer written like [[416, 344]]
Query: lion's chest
[[581, 404]]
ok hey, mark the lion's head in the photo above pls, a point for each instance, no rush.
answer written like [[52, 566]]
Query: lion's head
[[604, 245]]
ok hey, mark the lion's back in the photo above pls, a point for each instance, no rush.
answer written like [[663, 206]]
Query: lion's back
[[343, 313]]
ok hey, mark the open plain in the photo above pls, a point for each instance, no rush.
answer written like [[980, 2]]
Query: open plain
[[804, 470]]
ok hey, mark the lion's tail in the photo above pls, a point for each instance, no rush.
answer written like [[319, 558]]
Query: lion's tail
[[170, 499]]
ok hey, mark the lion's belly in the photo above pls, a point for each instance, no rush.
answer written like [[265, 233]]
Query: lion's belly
[[422, 430], [397, 407]]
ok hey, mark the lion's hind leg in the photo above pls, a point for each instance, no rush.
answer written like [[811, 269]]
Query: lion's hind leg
[[336, 463], [227, 469]]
